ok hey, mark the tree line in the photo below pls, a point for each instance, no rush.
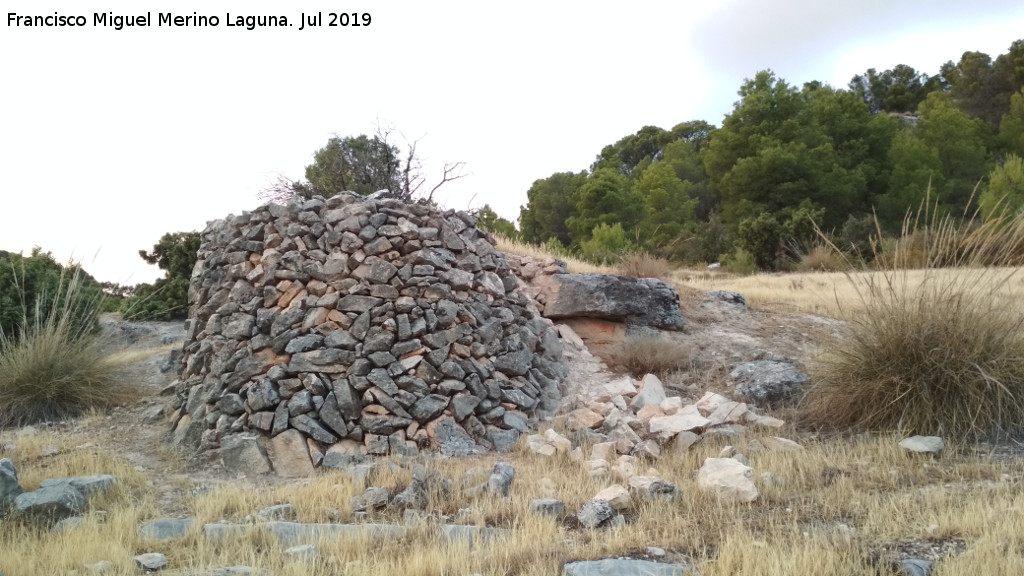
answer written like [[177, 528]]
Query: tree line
[[787, 158]]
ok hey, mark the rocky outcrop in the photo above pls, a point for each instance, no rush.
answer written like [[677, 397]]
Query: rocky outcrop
[[394, 325], [602, 309]]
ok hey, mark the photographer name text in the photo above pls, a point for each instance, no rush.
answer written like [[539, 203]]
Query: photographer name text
[[194, 20]]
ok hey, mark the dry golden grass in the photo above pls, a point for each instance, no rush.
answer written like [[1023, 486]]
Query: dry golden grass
[[575, 265], [643, 265], [648, 355], [805, 522]]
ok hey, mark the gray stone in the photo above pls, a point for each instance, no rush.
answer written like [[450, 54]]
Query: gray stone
[[625, 567], [635, 301], [151, 561], [166, 528], [765, 382], [303, 552], [594, 513], [50, 503], [924, 444], [371, 499], [458, 533], [262, 395], [453, 440], [304, 343], [463, 405], [428, 407], [243, 454], [515, 363], [728, 297], [547, 506], [9, 487], [501, 478], [515, 421], [341, 339], [327, 360], [312, 428], [503, 439], [915, 567], [356, 303]]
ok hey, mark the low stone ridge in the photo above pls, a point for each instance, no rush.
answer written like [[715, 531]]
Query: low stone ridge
[[395, 326]]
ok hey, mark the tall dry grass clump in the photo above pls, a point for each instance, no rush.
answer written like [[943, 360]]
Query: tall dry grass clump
[[56, 367], [643, 265], [640, 355], [941, 353]]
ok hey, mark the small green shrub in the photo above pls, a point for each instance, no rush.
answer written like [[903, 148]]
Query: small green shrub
[[167, 298], [55, 367], [739, 261], [607, 244], [760, 237]]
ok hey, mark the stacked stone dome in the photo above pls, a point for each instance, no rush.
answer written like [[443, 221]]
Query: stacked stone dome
[[351, 320]]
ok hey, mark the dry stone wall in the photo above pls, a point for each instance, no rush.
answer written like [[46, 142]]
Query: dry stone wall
[[352, 322]]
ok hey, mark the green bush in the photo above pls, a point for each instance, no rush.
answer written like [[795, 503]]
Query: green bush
[[167, 298], [933, 351], [760, 238], [607, 244], [28, 284], [55, 367], [739, 261]]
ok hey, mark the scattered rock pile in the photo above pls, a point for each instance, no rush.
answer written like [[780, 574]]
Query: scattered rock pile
[[392, 325]]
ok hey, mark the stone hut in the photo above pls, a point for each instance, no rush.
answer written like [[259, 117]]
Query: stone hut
[[360, 326]]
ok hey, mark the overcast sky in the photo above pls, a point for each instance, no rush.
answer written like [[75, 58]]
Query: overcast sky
[[111, 138]]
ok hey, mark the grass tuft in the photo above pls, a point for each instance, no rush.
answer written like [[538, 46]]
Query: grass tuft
[[942, 354], [56, 368], [643, 265], [640, 355]]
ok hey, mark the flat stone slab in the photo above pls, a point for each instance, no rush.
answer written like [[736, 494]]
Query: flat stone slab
[[636, 301], [166, 528], [625, 567]]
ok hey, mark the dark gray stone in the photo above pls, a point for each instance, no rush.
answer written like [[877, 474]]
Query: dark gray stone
[[87, 485], [464, 405], [766, 382], [453, 440], [547, 506], [50, 503], [304, 343], [262, 395], [9, 487], [304, 423], [594, 513], [501, 478], [515, 363], [371, 499], [915, 567], [428, 407], [327, 360], [636, 301], [503, 439], [356, 303], [341, 339]]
